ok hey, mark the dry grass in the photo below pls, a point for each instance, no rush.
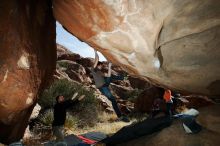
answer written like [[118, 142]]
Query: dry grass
[[106, 117], [110, 128], [107, 124], [107, 128]]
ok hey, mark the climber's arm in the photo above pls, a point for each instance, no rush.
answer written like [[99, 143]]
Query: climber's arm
[[109, 69], [96, 59]]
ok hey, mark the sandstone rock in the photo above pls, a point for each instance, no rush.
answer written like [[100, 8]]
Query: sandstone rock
[[64, 54], [173, 43], [145, 100], [74, 71], [196, 101], [27, 133], [61, 75], [35, 111], [105, 103], [209, 118], [176, 47], [61, 50], [86, 62], [27, 61], [71, 57], [124, 83], [138, 83], [121, 91]]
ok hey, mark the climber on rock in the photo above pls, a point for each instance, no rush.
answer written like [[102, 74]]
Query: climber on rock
[[60, 114], [102, 83]]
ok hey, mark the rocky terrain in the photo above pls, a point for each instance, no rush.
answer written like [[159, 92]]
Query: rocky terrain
[[172, 43], [133, 94], [76, 68]]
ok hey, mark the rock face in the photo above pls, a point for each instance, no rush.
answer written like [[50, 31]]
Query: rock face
[[173, 43], [196, 101], [27, 60], [145, 100]]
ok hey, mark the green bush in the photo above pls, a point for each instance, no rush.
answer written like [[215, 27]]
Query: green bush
[[87, 115], [63, 64], [86, 112], [71, 122], [47, 118], [67, 89], [59, 87]]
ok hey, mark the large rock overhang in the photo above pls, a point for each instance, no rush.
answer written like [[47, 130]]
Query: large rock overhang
[[171, 43]]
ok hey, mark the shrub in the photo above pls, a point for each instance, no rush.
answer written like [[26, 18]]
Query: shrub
[[67, 89], [47, 117], [87, 115], [71, 122], [63, 64], [86, 112]]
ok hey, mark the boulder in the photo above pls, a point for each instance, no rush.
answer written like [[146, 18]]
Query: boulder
[[35, 111], [65, 54], [71, 57], [145, 100], [121, 91], [172, 43], [196, 101], [138, 83], [74, 71], [86, 62], [27, 61]]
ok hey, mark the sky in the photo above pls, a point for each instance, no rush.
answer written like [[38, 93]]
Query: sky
[[73, 44]]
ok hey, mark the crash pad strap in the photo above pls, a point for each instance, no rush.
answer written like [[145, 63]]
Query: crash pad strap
[[86, 140]]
